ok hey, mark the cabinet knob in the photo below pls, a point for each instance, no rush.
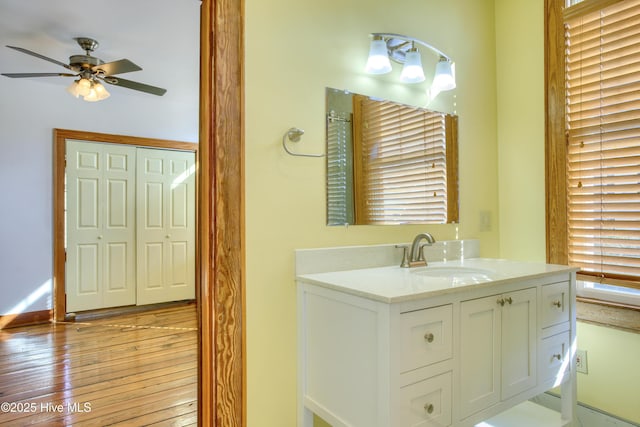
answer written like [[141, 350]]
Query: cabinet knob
[[557, 356], [168, 236], [428, 407], [428, 337], [99, 237], [509, 300], [501, 301], [557, 304]]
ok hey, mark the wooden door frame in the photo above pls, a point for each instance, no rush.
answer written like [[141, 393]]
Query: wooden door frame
[[220, 236], [222, 381], [60, 136]]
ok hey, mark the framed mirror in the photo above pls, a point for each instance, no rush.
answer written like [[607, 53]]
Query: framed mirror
[[389, 163]]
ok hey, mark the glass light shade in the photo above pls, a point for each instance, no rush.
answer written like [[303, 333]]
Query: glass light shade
[[444, 78], [84, 87], [378, 62], [92, 96], [412, 71], [73, 89], [100, 91]]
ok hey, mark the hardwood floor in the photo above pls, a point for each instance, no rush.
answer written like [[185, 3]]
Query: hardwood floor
[[129, 370]]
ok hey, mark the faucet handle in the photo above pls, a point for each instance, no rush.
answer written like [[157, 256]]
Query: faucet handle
[[405, 255]]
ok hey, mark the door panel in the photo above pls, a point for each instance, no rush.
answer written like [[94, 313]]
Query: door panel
[[100, 225], [166, 225]]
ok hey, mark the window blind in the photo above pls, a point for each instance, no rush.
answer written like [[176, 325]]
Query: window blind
[[340, 209], [400, 163], [602, 60]]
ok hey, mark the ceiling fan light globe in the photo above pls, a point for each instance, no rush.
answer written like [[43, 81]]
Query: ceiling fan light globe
[[84, 87], [100, 91], [92, 96], [73, 89]]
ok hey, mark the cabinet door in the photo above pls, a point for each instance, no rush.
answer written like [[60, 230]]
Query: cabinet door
[[480, 331], [518, 342]]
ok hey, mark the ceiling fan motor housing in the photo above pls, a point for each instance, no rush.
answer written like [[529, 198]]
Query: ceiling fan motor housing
[[83, 62]]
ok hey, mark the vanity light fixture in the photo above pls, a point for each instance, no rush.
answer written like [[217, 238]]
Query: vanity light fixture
[[402, 49]]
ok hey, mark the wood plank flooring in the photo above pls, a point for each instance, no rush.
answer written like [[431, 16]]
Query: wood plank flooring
[[130, 370]]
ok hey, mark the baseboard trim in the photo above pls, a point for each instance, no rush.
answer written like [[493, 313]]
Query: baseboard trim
[[103, 313], [25, 319]]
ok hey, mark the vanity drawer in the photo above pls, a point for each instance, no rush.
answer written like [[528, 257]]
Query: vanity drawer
[[425, 337], [555, 304], [554, 352], [426, 403]]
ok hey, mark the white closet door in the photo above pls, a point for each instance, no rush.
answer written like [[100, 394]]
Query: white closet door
[[165, 225], [100, 225]]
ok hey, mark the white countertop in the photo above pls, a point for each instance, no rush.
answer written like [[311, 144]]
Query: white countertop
[[396, 284]]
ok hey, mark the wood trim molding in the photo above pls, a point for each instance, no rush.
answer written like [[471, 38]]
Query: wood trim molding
[[222, 386], [555, 145], [25, 319], [59, 138], [607, 314]]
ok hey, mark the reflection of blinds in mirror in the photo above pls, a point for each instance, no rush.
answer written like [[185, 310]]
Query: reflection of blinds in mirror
[[339, 169], [400, 165]]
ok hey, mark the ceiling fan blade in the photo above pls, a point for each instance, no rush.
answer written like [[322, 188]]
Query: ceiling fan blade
[[136, 86], [19, 75], [117, 67], [37, 55]]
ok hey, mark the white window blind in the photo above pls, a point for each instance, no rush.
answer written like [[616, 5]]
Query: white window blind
[[602, 62], [400, 163]]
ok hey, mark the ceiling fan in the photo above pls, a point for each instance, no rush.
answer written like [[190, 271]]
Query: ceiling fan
[[90, 71]]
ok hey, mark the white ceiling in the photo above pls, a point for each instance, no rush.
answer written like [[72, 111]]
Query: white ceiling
[[161, 36]]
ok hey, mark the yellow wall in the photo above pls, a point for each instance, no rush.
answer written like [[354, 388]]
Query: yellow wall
[[613, 377], [294, 49], [612, 382]]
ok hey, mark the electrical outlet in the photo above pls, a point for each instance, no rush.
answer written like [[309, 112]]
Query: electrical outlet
[[581, 361]]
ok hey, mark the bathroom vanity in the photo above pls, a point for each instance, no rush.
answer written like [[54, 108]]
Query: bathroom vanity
[[453, 343]]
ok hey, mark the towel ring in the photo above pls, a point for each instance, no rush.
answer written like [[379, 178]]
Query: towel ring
[[294, 135]]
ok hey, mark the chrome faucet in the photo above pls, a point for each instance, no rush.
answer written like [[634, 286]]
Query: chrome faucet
[[414, 256]]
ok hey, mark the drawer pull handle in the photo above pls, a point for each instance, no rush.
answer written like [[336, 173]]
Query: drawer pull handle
[[428, 337], [557, 356], [557, 304], [429, 408]]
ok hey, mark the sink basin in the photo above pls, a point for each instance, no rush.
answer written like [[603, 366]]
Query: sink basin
[[456, 272]]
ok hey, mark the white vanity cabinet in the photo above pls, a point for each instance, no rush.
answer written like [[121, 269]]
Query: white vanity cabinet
[[423, 353]]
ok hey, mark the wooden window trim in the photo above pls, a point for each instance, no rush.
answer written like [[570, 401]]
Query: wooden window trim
[[620, 316]]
